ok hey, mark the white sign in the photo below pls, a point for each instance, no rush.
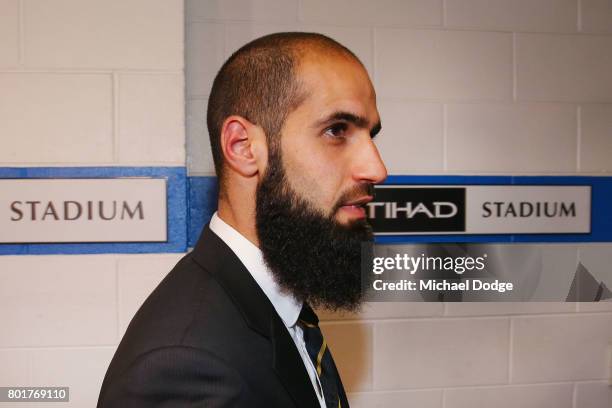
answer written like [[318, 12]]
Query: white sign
[[480, 209], [82, 210], [528, 209]]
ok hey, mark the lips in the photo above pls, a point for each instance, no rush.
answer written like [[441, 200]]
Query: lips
[[359, 202], [355, 208]]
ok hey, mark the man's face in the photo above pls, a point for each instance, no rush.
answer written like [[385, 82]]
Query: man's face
[[310, 219], [327, 149]]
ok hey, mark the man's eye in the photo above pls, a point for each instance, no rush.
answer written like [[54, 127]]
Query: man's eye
[[337, 130]]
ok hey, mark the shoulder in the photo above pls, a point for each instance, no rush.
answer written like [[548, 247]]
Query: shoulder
[[177, 376], [180, 334], [209, 320], [187, 302]]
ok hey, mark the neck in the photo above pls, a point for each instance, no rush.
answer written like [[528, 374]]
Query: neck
[[239, 218]]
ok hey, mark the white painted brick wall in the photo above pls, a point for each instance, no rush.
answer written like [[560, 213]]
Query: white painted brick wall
[[81, 368], [83, 83], [199, 157], [514, 15], [101, 83], [560, 348], [15, 367], [593, 395], [412, 127], [532, 396], [567, 68], [507, 308], [247, 10], [112, 34], [92, 82], [440, 353], [151, 119], [441, 64], [207, 51], [596, 138], [517, 138], [596, 16], [58, 300], [56, 117], [366, 12], [9, 33]]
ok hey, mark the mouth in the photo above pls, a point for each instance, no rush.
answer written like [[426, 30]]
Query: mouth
[[356, 208], [360, 201]]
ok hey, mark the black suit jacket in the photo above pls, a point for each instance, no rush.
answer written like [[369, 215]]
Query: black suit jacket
[[207, 336]]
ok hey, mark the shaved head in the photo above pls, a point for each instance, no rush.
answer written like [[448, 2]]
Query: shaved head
[[260, 83]]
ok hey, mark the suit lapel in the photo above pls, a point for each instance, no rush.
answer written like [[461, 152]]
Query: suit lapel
[[218, 259], [289, 366]]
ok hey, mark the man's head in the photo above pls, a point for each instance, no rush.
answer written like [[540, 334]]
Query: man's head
[[291, 119]]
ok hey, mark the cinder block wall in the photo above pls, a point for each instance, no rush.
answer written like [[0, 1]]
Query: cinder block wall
[[83, 83], [464, 87]]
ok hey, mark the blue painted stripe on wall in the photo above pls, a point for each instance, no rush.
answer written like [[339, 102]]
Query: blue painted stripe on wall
[[202, 205], [176, 195], [601, 207], [192, 201]]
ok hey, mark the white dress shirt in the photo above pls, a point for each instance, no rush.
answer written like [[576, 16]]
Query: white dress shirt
[[287, 307]]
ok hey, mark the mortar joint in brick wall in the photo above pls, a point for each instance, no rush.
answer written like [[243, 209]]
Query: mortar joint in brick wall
[[298, 11], [579, 16], [117, 303], [115, 116], [444, 17], [373, 55], [514, 69], [510, 349], [21, 57], [578, 137], [445, 139]]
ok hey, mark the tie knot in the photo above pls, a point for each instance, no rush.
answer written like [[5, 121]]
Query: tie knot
[[308, 317]]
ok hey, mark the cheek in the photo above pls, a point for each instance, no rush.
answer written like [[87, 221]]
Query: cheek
[[314, 177]]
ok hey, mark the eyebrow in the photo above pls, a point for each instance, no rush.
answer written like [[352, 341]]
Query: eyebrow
[[357, 120]]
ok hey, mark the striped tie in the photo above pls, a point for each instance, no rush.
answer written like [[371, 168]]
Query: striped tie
[[321, 357]]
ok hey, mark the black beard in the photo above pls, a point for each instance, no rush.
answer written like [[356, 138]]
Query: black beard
[[310, 254]]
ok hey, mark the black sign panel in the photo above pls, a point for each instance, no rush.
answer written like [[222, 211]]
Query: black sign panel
[[398, 209]]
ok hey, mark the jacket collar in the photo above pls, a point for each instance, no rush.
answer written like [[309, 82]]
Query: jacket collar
[[218, 259], [285, 304]]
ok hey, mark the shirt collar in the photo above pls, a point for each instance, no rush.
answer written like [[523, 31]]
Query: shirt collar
[[251, 257]]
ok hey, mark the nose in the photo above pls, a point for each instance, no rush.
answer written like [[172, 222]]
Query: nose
[[368, 166]]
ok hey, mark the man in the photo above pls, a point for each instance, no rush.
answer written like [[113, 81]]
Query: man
[[291, 119]]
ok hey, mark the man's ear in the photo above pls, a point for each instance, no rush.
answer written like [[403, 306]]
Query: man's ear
[[243, 145]]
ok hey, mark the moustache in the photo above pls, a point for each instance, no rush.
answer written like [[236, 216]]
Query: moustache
[[354, 193]]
